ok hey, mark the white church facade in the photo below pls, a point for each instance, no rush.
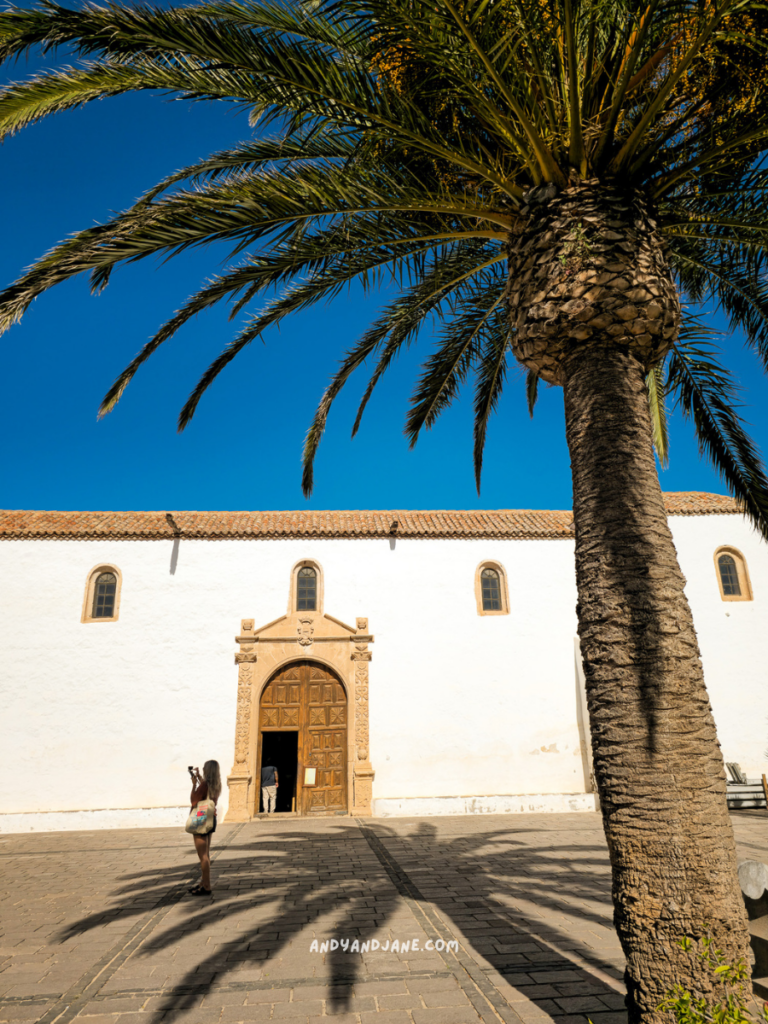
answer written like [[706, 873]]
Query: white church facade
[[388, 663]]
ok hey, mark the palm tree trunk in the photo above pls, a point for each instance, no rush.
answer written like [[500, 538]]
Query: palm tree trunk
[[657, 760]]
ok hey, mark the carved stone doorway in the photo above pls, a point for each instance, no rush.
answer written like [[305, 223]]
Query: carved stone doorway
[[340, 651], [307, 697]]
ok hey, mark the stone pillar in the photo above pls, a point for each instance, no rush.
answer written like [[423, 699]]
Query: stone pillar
[[240, 778], [363, 771]]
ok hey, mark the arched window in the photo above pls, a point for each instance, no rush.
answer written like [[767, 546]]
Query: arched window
[[102, 594], [729, 576], [732, 575], [491, 589], [306, 587], [306, 590]]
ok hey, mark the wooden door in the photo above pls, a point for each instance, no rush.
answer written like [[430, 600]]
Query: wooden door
[[325, 742], [308, 697]]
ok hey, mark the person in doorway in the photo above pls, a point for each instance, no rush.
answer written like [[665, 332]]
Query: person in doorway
[[205, 787], [269, 784]]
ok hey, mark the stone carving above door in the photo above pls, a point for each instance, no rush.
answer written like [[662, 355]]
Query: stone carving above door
[[305, 629]]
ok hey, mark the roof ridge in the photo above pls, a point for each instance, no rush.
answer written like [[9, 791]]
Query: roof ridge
[[458, 523]]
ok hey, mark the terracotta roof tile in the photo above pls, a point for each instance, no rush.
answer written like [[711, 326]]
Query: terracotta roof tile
[[505, 523]]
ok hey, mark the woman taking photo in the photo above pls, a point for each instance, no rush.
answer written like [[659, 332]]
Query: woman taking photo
[[205, 787]]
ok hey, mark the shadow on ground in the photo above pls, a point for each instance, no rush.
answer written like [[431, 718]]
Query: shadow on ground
[[528, 913]]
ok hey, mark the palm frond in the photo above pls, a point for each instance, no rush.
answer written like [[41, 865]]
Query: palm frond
[[732, 283], [253, 156], [330, 260], [707, 395], [654, 383], [242, 213], [223, 31], [322, 285], [43, 95], [459, 344], [398, 325], [490, 377]]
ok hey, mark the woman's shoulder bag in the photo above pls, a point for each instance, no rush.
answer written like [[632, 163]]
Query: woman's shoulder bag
[[201, 818]]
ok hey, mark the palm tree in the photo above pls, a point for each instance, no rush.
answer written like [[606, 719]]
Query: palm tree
[[544, 180]]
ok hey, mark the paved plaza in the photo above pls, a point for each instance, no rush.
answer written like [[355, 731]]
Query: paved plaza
[[98, 925]]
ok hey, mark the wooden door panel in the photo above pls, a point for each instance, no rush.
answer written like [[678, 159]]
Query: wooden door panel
[[280, 707], [289, 718], [307, 697], [332, 739]]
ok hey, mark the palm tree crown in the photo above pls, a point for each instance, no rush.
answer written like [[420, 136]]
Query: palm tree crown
[[414, 140]]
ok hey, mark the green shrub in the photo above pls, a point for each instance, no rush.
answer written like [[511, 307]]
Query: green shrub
[[737, 1005]]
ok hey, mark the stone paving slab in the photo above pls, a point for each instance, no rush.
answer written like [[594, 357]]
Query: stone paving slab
[[98, 927]]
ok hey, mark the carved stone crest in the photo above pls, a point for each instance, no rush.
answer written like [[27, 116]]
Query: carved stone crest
[[362, 625], [305, 629]]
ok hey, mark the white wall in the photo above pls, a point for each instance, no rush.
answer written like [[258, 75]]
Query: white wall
[[108, 715], [463, 704], [733, 635]]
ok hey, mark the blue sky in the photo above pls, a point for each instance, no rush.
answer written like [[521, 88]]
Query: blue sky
[[243, 449]]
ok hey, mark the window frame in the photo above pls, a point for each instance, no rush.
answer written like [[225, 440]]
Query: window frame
[[503, 589], [742, 573], [90, 587], [293, 598]]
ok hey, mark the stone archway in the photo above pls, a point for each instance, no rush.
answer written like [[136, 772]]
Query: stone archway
[[262, 653]]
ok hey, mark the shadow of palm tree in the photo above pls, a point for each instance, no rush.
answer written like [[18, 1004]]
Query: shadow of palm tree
[[516, 907]]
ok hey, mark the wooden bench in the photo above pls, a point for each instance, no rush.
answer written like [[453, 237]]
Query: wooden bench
[[743, 793]]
